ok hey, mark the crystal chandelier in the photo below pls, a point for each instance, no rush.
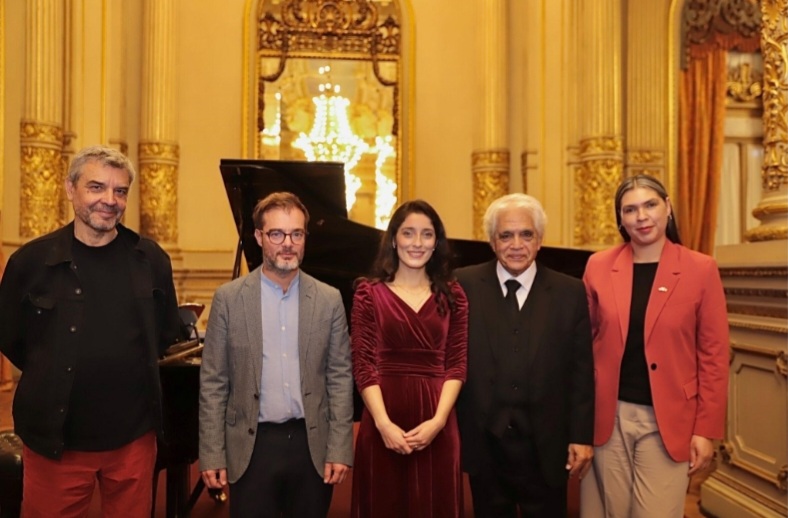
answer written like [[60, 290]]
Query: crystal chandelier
[[331, 139]]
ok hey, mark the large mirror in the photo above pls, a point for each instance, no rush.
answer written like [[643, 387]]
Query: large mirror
[[328, 76]]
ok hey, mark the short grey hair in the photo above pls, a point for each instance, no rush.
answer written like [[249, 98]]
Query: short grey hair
[[104, 155], [516, 200]]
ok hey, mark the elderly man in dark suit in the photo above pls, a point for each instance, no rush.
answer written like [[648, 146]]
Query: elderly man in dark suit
[[276, 390], [526, 412]]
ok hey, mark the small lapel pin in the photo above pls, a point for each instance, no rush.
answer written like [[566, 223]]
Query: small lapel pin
[[663, 289]]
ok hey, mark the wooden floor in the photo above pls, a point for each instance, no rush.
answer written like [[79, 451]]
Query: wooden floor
[[340, 506]]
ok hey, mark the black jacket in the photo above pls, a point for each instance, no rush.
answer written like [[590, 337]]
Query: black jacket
[[41, 315], [558, 377]]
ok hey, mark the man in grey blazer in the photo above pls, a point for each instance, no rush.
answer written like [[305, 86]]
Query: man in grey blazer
[[276, 391]]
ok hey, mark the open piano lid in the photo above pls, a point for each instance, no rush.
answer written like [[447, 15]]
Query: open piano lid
[[338, 250]]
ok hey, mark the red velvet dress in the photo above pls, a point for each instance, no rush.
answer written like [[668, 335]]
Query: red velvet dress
[[409, 355]]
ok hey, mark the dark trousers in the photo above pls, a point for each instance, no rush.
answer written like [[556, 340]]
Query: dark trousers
[[281, 480], [511, 480]]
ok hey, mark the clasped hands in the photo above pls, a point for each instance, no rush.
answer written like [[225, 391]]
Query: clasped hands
[[405, 443]]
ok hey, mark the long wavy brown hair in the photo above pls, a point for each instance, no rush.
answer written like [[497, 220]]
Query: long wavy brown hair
[[439, 265]]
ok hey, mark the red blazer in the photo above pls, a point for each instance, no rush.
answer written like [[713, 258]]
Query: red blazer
[[686, 337]]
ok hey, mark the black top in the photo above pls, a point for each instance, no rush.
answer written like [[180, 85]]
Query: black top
[[110, 398], [634, 384]]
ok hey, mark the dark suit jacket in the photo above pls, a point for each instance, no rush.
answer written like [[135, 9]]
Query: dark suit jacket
[[560, 374]]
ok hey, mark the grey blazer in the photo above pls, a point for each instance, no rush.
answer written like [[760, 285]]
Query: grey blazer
[[232, 366]]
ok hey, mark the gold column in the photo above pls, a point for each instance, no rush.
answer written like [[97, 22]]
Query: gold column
[[490, 159], [772, 210], [600, 164], [646, 84], [158, 147], [41, 128]]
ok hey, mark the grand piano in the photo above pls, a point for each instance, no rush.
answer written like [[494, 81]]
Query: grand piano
[[338, 251]]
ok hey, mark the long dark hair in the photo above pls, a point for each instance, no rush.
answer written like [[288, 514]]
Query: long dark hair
[[438, 267], [649, 182]]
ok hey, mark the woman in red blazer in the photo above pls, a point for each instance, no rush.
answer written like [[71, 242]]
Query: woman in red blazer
[[660, 332]]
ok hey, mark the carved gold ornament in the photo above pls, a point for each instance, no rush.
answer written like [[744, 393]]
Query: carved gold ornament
[[597, 175], [743, 85], [42, 167], [310, 28], [774, 48], [158, 191], [645, 161], [490, 181]]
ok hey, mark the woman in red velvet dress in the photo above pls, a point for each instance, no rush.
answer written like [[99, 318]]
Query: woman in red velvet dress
[[409, 336]]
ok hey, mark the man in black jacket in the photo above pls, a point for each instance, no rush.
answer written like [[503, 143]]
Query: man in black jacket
[[85, 312], [526, 412]]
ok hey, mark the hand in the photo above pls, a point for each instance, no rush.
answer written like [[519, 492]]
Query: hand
[[394, 438], [701, 453], [214, 478], [579, 460], [335, 473], [421, 436]]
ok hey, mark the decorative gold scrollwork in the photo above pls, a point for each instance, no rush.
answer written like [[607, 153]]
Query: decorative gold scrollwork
[[41, 147], [309, 27], [774, 42], [645, 161], [781, 363], [743, 84], [490, 181], [597, 175], [158, 190]]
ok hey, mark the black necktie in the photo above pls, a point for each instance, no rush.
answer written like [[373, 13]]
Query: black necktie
[[512, 285]]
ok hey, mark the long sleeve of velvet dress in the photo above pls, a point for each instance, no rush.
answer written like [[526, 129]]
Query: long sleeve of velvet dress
[[409, 354]]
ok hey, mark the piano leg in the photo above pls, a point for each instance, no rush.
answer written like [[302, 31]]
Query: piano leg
[[178, 490]]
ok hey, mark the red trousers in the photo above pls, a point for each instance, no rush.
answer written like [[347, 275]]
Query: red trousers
[[64, 487]]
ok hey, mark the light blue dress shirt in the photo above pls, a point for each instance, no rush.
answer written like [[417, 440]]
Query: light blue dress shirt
[[280, 383]]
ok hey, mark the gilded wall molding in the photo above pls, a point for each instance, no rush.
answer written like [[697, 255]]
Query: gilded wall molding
[[758, 311], [757, 292], [747, 491], [769, 233], [158, 163], [752, 326], [780, 356], [754, 272], [42, 173], [490, 170], [764, 210], [308, 28], [598, 172], [779, 479]]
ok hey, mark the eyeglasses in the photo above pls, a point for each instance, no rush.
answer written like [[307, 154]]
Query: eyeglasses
[[277, 237]]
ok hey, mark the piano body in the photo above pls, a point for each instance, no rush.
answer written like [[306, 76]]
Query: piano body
[[338, 251]]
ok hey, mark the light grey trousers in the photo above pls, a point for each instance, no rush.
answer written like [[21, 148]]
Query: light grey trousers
[[633, 476]]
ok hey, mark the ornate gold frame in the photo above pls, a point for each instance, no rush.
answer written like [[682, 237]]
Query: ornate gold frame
[[326, 29]]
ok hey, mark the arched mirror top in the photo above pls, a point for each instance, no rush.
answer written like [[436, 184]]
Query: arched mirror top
[[328, 83]]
